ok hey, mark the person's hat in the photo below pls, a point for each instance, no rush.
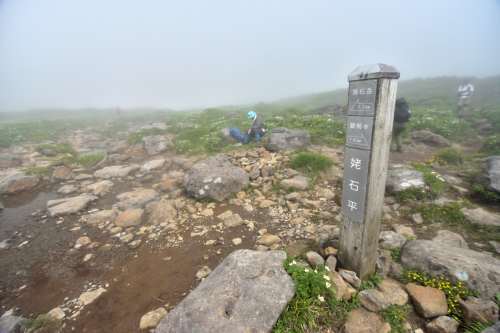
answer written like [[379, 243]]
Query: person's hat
[[252, 114]]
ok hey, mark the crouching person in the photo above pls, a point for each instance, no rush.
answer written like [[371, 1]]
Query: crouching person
[[255, 132]]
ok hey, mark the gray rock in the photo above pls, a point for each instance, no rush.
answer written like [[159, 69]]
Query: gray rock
[[1, 206], [115, 171], [163, 211], [100, 188], [153, 165], [401, 178], [449, 238], [442, 324], [296, 183], [479, 271], [428, 302], [137, 198], [493, 168], [389, 292], [493, 329], [10, 323], [215, 178], [429, 138], [351, 277], [14, 181], [70, 205], [314, 259], [494, 244], [475, 309], [246, 293], [156, 144], [481, 216], [99, 217], [5, 244], [287, 139], [391, 240], [67, 189]]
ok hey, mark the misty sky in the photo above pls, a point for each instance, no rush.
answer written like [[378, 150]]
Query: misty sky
[[107, 53]]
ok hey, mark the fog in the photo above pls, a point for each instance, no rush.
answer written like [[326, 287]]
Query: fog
[[182, 54]]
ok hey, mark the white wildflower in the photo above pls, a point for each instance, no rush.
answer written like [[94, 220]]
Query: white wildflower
[[326, 277], [306, 270], [328, 285], [321, 298], [327, 268]]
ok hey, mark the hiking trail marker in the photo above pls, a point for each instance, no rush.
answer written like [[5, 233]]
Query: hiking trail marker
[[370, 113]]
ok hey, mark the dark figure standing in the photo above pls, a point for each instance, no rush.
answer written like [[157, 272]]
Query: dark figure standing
[[402, 115]]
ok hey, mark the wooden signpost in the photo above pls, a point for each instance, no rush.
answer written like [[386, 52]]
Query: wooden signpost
[[372, 95]]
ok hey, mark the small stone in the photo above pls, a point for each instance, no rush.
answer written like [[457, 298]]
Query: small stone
[[152, 318], [129, 218], [451, 239], [404, 231], [331, 263], [233, 220], [442, 324], [90, 296], [203, 272], [56, 313], [298, 183], [82, 241], [351, 278], [237, 241], [87, 257], [429, 302], [417, 218], [314, 259], [268, 239], [330, 251], [266, 203], [207, 212]]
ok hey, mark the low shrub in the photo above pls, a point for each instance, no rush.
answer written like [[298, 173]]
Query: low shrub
[[396, 316], [450, 156], [310, 163]]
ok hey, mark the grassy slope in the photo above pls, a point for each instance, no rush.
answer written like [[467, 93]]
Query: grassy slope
[[421, 91]]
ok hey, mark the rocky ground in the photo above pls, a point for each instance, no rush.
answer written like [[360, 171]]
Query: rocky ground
[[114, 246]]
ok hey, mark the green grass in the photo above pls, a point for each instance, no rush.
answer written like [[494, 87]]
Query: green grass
[[492, 145], [450, 156], [396, 316], [57, 148], [435, 183], [89, 160], [43, 324], [310, 163], [449, 213], [314, 305], [396, 254], [476, 327], [371, 282], [482, 193], [39, 171]]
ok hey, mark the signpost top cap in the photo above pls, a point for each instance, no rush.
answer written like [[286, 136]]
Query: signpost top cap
[[374, 71]]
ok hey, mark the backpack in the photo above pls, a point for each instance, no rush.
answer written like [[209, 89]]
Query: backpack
[[402, 113]]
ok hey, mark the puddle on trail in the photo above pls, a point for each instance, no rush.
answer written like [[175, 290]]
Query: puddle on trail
[[18, 210]]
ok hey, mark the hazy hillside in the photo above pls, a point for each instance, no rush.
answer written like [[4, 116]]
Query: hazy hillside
[[421, 91]]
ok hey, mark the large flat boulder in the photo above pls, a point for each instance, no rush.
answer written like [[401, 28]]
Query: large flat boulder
[[14, 181], [246, 293], [72, 205], [9, 160], [215, 178], [115, 171], [493, 169], [400, 178], [480, 271], [287, 139]]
